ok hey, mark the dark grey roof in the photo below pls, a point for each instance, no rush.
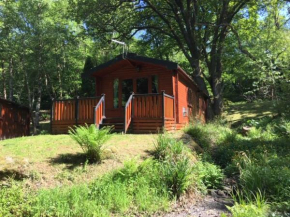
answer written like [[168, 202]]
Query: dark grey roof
[[132, 56]]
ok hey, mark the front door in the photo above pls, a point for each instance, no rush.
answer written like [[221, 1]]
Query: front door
[[123, 88], [142, 85], [127, 89]]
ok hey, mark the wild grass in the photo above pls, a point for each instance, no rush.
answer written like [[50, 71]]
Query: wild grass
[[259, 158], [248, 205]]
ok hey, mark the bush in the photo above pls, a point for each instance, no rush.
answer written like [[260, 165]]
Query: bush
[[249, 205], [161, 146], [91, 140], [210, 175], [259, 160], [177, 175], [268, 174], [175, 164]]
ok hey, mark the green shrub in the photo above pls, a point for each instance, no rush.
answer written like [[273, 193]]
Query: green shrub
[[175, 164], [200, 135], [177, 175], [91, 140], [248, 210], [269, 174], [161, 146], [249, 205], [210, 175]]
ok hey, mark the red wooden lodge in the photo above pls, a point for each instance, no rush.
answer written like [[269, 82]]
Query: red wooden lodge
[[14, 120], [136, 94]]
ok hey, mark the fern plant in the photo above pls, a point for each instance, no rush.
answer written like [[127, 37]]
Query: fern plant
[[91, 140]]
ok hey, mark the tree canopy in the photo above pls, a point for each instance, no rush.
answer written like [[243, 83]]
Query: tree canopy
[[232, 49]]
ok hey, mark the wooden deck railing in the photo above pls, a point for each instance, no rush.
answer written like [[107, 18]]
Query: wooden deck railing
[[149, 111], [99, 113], [66, 113], [128, 113], [64, 110], [147, 106]]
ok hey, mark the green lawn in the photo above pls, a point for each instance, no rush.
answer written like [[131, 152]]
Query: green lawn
[[55, 160]]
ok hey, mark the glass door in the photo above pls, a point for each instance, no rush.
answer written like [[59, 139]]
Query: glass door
[[142, 85], [127, 89]]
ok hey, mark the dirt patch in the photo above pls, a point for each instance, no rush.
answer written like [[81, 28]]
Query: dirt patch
[[209, 206]]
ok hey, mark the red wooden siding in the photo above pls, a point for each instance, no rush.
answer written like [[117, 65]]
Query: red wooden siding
[[129, 72], [193, 102], [14, 120]]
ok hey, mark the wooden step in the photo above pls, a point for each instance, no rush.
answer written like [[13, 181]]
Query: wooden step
[[117, 127], [113, 120]]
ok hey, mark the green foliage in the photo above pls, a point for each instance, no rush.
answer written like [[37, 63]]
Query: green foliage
[[177, 175], [161, 146], [260, 159], [248, 206], [175, 164], [14, 201], [210, 175], [134, 188], [91, 140], [268, 174]]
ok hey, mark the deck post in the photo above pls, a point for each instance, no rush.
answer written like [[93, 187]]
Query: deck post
[[163, 109], [77, 110], [104, 105]]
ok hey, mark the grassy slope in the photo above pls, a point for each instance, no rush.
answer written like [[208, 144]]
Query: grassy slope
[[55, 160], [241, 111]]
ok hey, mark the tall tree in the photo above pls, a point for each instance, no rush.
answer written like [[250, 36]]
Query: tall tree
[[198, 28]]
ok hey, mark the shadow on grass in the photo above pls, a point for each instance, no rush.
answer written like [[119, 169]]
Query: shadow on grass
[[14, 174], [70, 160]]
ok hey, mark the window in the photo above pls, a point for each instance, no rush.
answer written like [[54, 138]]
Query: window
[[142, 85], [127, 89], [154, 84], [116, 93]]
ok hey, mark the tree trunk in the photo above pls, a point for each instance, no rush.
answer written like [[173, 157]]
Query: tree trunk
[[4, 80], [36, 126], [216, 85], [11, 80]]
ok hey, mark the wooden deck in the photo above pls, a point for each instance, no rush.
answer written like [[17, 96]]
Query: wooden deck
[[143, 113]]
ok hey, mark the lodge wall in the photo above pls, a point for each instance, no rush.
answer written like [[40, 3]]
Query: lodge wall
[[14, 120], [105, 83]]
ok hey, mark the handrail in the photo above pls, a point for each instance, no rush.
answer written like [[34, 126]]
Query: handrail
[[148, 94], [99, 113], [169, 96], [80, 98], [128, 113]]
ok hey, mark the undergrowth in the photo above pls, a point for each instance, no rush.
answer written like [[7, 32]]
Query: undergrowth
[[259, 159]]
